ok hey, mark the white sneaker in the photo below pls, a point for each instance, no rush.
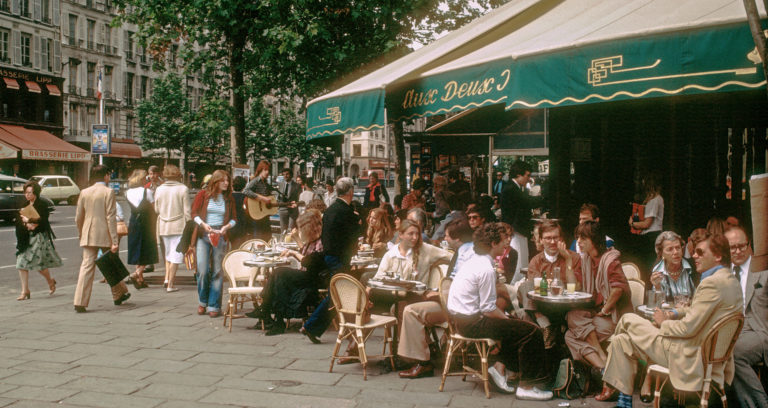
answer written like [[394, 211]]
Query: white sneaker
[[172, 290], [533, 394], [500, 381]]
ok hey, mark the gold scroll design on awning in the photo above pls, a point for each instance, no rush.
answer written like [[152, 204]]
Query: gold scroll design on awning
[[333, 114], [601, 68]]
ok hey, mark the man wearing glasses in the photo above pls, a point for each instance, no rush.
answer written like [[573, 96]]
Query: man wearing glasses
[[753, 340], [673, 340]]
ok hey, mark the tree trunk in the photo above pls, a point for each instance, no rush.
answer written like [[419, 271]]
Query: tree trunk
[[401, 186], [237, 102], [753, 17]]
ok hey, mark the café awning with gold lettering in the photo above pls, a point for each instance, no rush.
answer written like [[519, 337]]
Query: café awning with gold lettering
[[559, 53]]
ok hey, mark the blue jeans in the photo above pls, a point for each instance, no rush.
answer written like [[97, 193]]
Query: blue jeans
[[321, 318], [209, 279]]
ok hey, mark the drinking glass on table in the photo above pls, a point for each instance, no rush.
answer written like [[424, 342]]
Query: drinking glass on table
[[571, 287], [682, 300]]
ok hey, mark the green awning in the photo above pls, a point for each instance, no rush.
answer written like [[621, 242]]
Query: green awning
[[716, 59], [346, 114]]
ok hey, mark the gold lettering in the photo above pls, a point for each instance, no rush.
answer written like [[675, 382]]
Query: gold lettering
[[506, 73], [487, 85], [450, 91]]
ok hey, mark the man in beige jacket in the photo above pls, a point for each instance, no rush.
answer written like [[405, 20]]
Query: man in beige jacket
[[97, 228], [675, 337]]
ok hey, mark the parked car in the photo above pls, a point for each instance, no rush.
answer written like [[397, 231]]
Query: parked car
[[12, 197], [58, 188]]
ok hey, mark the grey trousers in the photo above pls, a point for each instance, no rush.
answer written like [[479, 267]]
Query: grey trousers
[[751, 348], [288, 218]]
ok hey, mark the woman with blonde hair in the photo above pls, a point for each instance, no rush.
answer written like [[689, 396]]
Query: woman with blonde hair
[[214, 212], [379, 231], [172, 205], [411, 258], [142, 243], [289, 291]]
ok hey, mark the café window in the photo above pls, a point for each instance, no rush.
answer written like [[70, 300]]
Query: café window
[[5, 42], [26, 50]]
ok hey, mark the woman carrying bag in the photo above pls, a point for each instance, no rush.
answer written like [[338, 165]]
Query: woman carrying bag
[[34, 241], [142, 243]]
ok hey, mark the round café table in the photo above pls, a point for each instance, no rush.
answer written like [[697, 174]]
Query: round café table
[[560, 304], [390, 294]]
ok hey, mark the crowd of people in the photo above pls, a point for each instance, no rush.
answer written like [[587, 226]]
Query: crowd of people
[[485, 242]]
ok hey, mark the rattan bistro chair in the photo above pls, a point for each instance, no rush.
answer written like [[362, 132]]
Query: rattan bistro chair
[[716, 348], [631, 271], [350, 301], [233, 268], [459, 343], [252, 243]]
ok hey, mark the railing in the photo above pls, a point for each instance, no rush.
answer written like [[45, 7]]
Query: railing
[[91, 44], [73, 90], [129, 55]]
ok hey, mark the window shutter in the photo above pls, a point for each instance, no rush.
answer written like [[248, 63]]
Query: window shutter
[[15, 7], [35, 50], [56, 13], [16, 48], [37, 10], [44, 54], [56, 56]]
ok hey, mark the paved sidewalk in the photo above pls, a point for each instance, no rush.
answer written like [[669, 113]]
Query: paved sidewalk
[[155, 351]]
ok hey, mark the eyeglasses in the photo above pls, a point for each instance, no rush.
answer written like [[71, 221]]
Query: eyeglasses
[[552, 239], [474, 217], [739, 247]]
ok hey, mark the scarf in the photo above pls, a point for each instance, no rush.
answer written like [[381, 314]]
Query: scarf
[[599, 284], [372, 193]]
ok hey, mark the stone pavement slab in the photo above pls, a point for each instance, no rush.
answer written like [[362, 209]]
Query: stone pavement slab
[[154, 351]]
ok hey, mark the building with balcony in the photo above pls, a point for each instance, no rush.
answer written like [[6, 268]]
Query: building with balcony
[[31, 109]]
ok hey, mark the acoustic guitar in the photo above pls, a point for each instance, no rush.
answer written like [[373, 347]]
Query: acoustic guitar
[[258, 210]]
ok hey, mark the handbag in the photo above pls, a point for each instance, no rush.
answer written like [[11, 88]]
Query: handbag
[[111, 267], [122, 229], [572, 381]]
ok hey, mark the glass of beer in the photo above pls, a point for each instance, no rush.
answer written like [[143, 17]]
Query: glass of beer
[[571, 287]]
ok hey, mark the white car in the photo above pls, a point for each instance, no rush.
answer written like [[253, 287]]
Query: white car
[[58, 188]]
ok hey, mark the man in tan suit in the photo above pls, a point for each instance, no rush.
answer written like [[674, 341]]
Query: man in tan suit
[[97, 227], [675, 337]]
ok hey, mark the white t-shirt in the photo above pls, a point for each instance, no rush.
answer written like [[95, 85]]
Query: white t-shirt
[[654, 208], [473, 289]]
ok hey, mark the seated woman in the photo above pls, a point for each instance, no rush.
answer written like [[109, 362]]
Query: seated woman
[[379, 231], [672, 274], [289, 291], [601, 276]]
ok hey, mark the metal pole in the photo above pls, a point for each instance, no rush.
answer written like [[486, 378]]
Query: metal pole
[[490, 164], [101, 113], [386, 137]]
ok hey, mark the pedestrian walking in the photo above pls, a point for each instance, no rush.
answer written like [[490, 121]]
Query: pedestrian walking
[[214, 212], [97, 227], [172, 206], [34, 242], [142, 242]]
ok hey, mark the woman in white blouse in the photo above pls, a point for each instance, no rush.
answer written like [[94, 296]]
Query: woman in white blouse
[[411, 258]]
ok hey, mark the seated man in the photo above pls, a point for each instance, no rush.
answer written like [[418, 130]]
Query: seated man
[[543, 265], [675, 337], [414, 341], [472, 305], [589, 212], [753, 340], [601, 276]]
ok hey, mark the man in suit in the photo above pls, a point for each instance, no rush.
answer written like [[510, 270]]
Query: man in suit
[[675, 337], [515, 201], [97, 228], [752, 344], [289, 195], [498, 185]]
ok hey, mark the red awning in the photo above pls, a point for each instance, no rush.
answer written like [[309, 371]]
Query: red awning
[[125, 150], [41, 145], [11, 83], [53, 90], [33, 87]]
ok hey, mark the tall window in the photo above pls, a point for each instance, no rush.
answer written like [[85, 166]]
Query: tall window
[[91, 34], [107, 82], [24, 9], [356, 150], [91, 80], [5, 5], [72, 77], [144, 87], [74, 116], [108, 38], [129, 89], [47, 54], [72, 38], [5, 44], [129, 127], [26, 50], [46, 9]]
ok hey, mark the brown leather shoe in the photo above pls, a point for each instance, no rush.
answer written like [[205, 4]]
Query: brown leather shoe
[[608, 394], [201, 310], [418, 371], [213, 314]]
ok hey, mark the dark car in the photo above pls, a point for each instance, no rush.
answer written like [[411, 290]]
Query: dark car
[[12, 197]]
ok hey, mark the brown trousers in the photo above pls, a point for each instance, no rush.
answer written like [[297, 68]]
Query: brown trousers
[[85, 279]]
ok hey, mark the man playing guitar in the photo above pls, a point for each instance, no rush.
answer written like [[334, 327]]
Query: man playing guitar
[[260, 189]]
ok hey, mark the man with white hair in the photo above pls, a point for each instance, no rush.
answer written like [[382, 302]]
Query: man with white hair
[[341, 227]]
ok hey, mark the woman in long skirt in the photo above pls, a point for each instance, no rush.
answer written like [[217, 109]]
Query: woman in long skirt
[[34, 242], [142, 243]]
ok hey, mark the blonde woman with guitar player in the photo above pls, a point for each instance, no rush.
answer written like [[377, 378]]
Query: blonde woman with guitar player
[[260, 191]]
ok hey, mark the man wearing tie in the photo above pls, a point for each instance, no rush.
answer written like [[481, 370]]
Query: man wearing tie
[[414, 343], [289, 210], [753, 340]]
